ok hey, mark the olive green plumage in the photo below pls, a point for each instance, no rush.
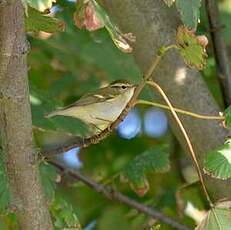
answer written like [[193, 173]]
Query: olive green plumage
[[100, 107]]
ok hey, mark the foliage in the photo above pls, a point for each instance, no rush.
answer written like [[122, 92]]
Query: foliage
[[90, 15], [36, 21], [4, 187], [227, 114], [63, 214], [64, 66], [217, 218], [152, 160], [191, 48], [43, 103], [218, 161], [189, 11], [48, 177]]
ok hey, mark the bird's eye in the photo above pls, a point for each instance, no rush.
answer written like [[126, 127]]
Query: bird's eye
[[124, 87]]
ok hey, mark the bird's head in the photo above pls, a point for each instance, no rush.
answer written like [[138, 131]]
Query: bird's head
[[121, 85]]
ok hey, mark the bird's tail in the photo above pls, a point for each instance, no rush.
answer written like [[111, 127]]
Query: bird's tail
[[60, 112]]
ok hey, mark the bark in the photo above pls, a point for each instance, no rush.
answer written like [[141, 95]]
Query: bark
[[220, 52], [15, 121], [154, 26]]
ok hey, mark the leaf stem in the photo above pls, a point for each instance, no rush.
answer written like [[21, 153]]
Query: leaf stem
[[191, 149], [181, 111]]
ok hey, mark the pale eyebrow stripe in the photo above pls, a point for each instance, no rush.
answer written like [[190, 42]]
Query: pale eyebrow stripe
[[119, 85]]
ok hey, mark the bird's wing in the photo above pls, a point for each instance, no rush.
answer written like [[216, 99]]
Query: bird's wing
[[93, 97]]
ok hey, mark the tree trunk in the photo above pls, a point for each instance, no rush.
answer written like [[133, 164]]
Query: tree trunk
[[154, 25], [15, 121]]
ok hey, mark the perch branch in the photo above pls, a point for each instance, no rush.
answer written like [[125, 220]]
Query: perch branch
[[84, 142], [110, 193]]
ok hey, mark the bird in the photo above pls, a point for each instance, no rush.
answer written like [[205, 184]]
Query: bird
[[101, 107]]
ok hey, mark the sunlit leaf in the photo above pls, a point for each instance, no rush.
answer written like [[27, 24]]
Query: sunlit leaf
[[153, 160], [40, 5], [36, 21], [191, 48], [169, 2], [218, 161], [218, 218], [64, 215], [189, 11], [4, 187]]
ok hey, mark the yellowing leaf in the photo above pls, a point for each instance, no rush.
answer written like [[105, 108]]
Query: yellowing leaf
[[191, 48], [91, 16], [217, 218], [86, 16]]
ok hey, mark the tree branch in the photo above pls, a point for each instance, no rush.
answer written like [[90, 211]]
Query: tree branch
[[20, 155], [84, 142], [221, 57], [154, 25], [110, 193]]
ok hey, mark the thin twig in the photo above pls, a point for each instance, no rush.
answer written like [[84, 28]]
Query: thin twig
[[110, 193], [192, 152], [181, 111], [80, 142], [220, 52]]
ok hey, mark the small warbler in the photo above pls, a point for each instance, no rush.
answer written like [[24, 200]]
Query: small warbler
[[101, 107]]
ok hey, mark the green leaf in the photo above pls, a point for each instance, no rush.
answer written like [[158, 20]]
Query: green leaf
[[40, 5], [189, 11], [4, 186], [48, 177], [109, 219], [63, 215], [218, 218], [36, 21], [153, 160], [218, 162], [191, 48], [42, 103], [227, 114]]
